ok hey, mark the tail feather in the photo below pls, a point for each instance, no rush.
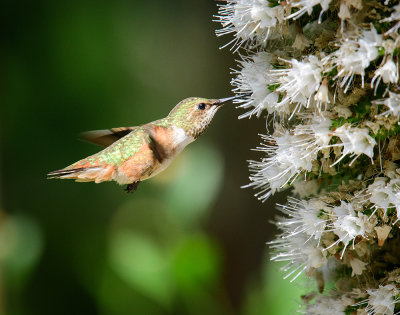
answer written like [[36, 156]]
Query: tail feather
[[84, 174], [64, 172]]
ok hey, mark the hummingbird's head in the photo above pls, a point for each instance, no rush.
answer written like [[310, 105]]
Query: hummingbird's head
[[194, 114]]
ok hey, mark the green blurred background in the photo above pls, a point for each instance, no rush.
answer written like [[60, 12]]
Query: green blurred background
[[189, 241]]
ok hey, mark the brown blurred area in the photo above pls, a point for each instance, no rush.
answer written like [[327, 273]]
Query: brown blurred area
[[189, 242]]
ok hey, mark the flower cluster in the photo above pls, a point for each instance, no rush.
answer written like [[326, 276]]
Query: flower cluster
[[324, 74], [249, 21]]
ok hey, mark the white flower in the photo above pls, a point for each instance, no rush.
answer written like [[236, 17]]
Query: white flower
[[326, 305], [355, 141], [395, 16], [303, 217], [301, 253], [249, 20], [349, 62], [288, 155], [381, 194], [355, 55], [347, 225], [393, 102], [284, 163], [389, 73], [315, 256], [300, 82], [344, 11], [304, 188], [368, 42], [261, 11], [321, 130], [322, 95], [382, 300], [389, 46], [307, 6], [385, 195], [253, 79]]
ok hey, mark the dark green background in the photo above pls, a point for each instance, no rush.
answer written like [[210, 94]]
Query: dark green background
[[190, 241]]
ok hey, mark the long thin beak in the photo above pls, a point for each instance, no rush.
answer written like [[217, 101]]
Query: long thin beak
[[224, 100]]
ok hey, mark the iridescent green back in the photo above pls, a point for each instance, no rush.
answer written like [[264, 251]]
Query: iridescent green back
[[122, 149]]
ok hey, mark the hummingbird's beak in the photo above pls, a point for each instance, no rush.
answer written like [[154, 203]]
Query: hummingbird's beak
[[221, 101]]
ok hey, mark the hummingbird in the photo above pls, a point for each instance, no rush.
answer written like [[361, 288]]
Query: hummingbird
[[133, 154]]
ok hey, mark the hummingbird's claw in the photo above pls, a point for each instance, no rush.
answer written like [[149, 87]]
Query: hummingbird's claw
[[131, 188]]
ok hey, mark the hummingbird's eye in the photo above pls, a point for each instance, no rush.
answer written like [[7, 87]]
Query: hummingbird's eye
[[201, 106]]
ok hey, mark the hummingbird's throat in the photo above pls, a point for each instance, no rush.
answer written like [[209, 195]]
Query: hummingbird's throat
[[201, 122], [181, 138]]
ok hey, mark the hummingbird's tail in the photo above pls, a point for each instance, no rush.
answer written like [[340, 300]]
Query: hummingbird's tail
[[66, 173], [91, 173]]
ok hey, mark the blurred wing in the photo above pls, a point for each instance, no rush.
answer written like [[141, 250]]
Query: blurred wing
[[106, 137]]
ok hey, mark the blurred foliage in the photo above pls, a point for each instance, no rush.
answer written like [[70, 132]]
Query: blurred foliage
[[21, 244], [155, 243], [276, 296], [189, 241]]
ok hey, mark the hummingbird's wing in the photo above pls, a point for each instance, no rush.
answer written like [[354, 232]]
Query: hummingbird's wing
[[106, 137]]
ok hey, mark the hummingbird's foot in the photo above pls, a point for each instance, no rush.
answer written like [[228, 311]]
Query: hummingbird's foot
[[131, 188]]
